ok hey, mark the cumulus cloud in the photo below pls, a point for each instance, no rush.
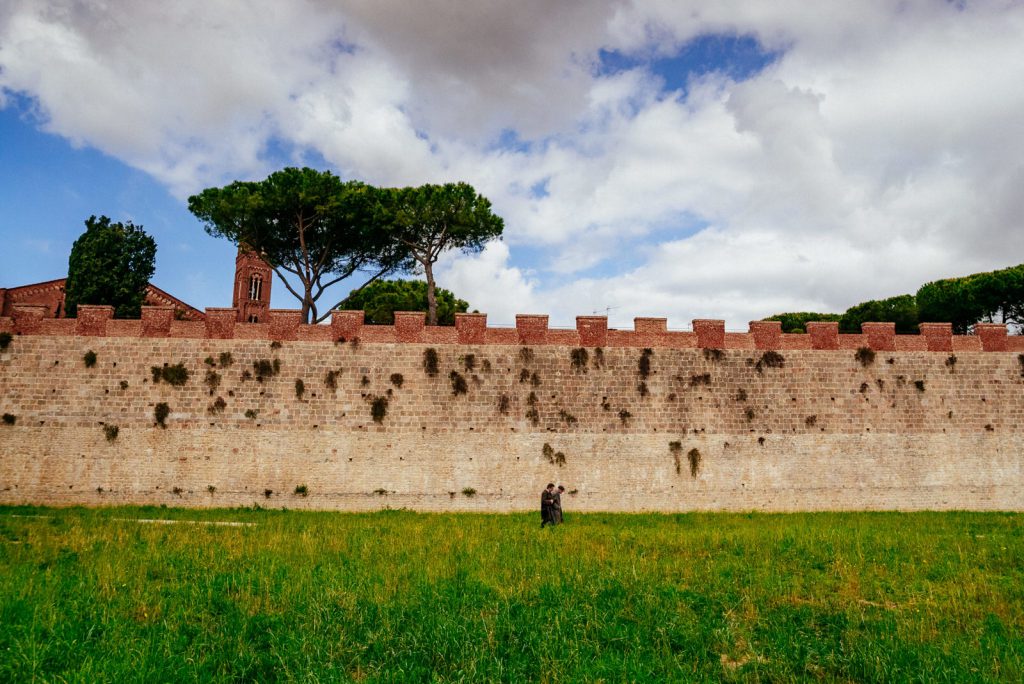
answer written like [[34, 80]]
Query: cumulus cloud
[[879, 150]]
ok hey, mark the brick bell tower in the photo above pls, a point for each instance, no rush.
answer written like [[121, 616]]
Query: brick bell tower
[[253, 277]]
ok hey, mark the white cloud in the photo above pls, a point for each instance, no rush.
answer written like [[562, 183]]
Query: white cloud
[[882, 149]]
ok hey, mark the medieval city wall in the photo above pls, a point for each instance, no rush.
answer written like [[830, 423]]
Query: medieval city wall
[[643, 419]]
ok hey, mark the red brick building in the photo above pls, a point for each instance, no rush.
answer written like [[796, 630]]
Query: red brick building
[[251, 294]]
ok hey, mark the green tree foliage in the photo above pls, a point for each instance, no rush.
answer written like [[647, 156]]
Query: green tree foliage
[[424, 222], [380, 301], [797, 322], [111, 264], [995, 296], [901, 310], [304, 223]]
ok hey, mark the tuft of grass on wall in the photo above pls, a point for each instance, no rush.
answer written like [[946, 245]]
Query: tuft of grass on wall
[[378, 409], [578, 359], [176, 375], [160, 413], [111, 432], [89, 358], [865, 356], [770, 359], [694, 457], [644, 364], [676, 449], [431, 364], [459, 385]]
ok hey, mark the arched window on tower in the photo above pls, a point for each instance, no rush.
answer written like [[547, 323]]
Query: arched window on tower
[[253, 318], [255, 286]]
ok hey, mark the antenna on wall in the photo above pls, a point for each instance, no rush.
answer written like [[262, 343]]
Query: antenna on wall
[[605, 310]]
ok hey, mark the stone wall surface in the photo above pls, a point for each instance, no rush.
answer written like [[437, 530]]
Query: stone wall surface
[[706, 429]]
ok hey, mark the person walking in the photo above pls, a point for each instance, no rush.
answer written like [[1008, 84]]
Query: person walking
[[556, 506], [547, 502]]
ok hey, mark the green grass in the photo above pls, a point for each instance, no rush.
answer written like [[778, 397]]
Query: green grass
[[398, 596]]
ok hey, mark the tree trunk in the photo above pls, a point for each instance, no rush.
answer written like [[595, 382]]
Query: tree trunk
[[428, 269]]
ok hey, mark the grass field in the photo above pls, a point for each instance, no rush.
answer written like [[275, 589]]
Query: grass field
[[94, 595]]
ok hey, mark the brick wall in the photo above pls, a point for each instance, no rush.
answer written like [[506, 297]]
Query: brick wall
[[913, 429]]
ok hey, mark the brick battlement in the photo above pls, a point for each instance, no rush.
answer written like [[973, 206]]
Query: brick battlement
[[591, 331]]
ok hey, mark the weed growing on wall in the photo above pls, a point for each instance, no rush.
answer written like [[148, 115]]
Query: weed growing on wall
[[364, 381], [10, 419], [533, 415], [469, 362], [379, 409], [225, 359], [276, 344], [301, 490], [624, 416], [531, 400], [749, 413], [578, 358], [503, 404], [644, 364], [331, 379], [380, 491], [430, 363], [526, 355], [713, 355], [811, 421], [212, 380], [160, 413], [598, 358], [211, 489], [865, 356], [676, 449], [642, 390], [252, 413], [111, 432], [693, 456], [210, 361], [176, 375], [524, 375], [267, 493], [770, 359], [741, 394], [919, 384], [300, 388], [468, 492], [265, 369], [123, 384], [569, 419], [459, 385], [951, 363], [553, 457], [700, 379], [397, 379], [217, 406], [89, 358], [534, 379], [5, 340]]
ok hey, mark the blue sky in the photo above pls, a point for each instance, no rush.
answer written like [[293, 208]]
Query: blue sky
[[689, 161]]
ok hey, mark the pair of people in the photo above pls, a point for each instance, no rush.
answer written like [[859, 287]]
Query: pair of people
[[551, 505]]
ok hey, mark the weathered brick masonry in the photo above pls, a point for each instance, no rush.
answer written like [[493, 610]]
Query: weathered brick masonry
[[934, 421]]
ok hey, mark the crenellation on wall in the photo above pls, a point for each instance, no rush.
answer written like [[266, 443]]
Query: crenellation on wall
[[471, 329]]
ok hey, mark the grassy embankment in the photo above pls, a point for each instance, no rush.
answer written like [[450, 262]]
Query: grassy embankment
[[397, 596]]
